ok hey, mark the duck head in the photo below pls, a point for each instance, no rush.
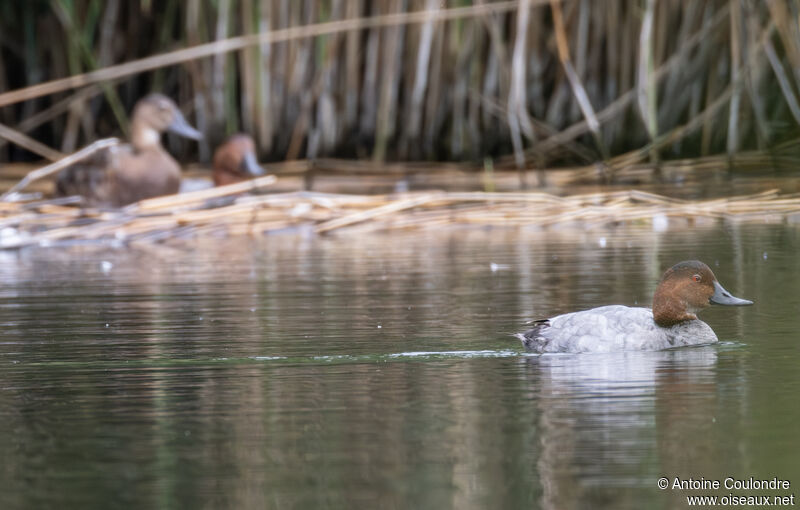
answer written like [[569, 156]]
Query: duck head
[[685, 289], [235, 160], [155, 114]]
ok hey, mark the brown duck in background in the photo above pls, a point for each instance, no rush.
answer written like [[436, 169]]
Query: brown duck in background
[[128, 173], [235, 161]]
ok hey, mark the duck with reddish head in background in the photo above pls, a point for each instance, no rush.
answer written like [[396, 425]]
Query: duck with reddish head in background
[[125, 174], [685, 289], [235, 161]]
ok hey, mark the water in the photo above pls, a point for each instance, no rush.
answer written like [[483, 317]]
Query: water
[[379, 372]]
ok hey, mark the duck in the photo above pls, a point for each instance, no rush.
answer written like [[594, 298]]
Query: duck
[[124, 174], [684, 290], [235, 160]]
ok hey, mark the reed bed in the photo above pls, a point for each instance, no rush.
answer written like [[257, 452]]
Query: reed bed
[[417, 91], [527, 83], [244, 209]]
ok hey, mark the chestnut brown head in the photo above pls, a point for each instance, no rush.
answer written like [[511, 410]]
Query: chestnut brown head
[[235, 160], [685, 289]]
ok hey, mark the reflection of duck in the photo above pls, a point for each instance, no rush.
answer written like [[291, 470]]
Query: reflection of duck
[[143, 169], [235, 160], [619, 419], [684, 289]]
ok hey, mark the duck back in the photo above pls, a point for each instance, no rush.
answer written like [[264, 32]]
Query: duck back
[[612, 328], [146, 174], [119, 176]]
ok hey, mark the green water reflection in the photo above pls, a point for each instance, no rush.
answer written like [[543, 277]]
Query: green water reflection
[[301, 372]]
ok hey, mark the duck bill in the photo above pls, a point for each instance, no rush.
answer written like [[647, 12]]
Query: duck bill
[[250, 166], [723, 297], [179, 126]]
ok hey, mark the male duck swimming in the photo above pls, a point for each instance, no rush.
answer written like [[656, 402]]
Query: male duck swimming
[[125, 174], [235, 160], [685, 289]]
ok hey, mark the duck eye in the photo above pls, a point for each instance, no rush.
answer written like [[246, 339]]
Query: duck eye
[[696, 277]]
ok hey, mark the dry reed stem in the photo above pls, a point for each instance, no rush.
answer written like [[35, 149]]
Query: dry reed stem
[[29, 144], [60, 164], [237, 43], [518, 120], [736, 58], [783, 80], [383, 210], [54, 111], [645, 83], [197, 197], [578, 89]]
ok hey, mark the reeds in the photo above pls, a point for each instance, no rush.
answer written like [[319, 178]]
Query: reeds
[[530, 83], [233, 210]]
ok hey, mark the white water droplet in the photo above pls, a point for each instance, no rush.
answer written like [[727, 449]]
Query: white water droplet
[[660, 223]]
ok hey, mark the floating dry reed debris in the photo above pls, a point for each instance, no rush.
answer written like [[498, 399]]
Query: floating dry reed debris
[[236, 210]]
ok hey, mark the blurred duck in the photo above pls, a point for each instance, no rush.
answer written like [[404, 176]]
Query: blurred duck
[[235, 161], [128, 173]]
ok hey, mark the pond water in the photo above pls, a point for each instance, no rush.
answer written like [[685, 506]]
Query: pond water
[[379, 372]]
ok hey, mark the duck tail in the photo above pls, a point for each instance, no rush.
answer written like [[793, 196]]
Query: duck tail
[[533, 340]]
